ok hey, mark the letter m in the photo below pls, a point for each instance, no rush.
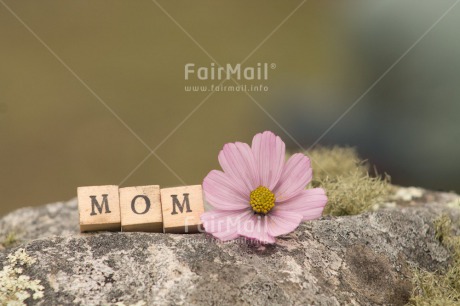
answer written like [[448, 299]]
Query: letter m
[[95, 204], [180, 206]]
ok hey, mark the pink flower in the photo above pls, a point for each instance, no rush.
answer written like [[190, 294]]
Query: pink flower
[[259, 195]]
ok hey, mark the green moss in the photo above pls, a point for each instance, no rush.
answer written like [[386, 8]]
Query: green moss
[[353, 194], [443, 228], [10, 240], [440, 287], [350, 188], [336, 162]]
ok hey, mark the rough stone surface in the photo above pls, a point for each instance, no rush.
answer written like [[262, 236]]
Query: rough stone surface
[[364, 259]]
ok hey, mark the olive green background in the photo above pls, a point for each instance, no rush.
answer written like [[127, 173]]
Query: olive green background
[[57, 135]]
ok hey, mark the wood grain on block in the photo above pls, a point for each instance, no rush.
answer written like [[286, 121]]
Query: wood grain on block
[[182, 208], [141, 209], [99, 208]]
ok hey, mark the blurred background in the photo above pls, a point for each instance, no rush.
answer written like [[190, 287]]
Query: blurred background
[[56, 134]]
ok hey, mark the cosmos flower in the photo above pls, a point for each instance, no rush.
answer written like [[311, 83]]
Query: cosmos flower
[[259, 195]]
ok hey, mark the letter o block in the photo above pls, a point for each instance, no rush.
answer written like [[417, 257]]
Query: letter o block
[[99, 208], [141, 209], [182, 209]]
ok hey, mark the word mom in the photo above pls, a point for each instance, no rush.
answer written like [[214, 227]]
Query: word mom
[[141, 209]]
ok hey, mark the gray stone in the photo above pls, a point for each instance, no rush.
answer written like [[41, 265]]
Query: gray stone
[[364, 259]]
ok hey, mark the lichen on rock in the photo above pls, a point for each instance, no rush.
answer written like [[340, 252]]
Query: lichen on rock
[[360, 259], [16, 287], [361, 252]]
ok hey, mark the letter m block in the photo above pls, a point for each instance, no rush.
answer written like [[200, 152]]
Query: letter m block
[[99, 208], [182, 208]]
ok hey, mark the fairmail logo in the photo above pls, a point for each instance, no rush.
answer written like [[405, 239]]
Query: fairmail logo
[[214, 72]]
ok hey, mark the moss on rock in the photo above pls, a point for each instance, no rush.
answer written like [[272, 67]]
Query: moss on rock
[[441, 287], [10, 240], [350, 188]]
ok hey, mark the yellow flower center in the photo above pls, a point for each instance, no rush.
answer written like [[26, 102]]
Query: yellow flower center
[[262, 200]]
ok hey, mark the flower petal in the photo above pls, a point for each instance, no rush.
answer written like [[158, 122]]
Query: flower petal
[[221, 192], [309, 203], [223, 224], [269, 153], [238, 162], [256, 227], [281, 222], [296, 175]]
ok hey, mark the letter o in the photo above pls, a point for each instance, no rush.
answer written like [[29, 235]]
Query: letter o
[[147, 204]]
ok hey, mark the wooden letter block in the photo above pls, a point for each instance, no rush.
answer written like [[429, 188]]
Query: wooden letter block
[[182, 208], [141, 209], [99, 208]]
